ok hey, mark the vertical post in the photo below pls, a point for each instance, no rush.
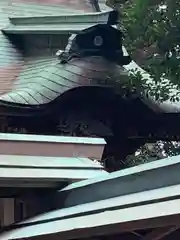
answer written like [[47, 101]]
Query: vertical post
[[3, 124], [8, 211]]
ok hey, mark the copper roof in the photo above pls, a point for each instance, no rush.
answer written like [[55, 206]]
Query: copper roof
[[50, 7], [43, 79], [140, 197], [48, 81]]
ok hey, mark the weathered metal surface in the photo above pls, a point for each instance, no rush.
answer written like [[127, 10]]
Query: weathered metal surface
[[92, 17], [123, 201], [60, 24], [86, 65], [49, 7], [144, 177], [10, 59], [52, 146], [56, 78], [48, 4], [44, 81], [43, 29], [39, 49], [20, 161], [39, 171], [146, 207], [103, 223]]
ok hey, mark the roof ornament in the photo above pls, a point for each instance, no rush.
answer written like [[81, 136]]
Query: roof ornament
[[95, 5], [103, 40], [98, 41]]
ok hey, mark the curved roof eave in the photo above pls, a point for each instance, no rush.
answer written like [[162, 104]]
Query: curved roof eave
[[164, 107], [51, 7], [51, 82]]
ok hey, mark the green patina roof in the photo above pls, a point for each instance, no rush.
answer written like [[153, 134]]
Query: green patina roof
[[53, 7], [51, 139], [44, 29], [42, 78], [114, 195], [37, 162], [60, 24], [55, 23], [36, 86]]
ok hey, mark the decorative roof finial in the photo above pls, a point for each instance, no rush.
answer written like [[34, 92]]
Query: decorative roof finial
[[95, 4], [113, 18]]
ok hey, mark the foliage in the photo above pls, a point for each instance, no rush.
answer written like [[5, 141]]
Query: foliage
[[152, 37], [152, 152]]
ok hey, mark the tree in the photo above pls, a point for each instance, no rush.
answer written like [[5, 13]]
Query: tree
[[152, 37]]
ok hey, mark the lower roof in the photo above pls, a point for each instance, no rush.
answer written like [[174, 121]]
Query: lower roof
[[48, 172], [108, 222], [138, 208]]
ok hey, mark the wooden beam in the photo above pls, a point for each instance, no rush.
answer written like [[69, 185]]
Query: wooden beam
[[8, 211], [160, 233]]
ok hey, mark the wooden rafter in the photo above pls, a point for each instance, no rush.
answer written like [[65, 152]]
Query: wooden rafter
[[160, 233]]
